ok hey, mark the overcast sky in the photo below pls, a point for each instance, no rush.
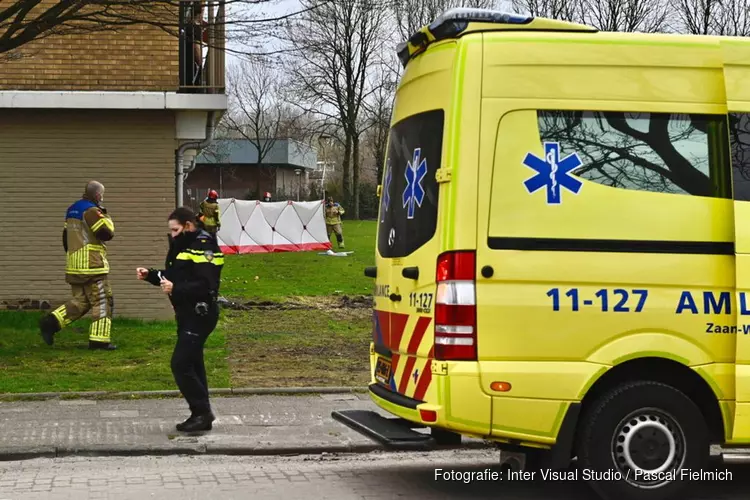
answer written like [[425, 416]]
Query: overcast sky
[[267, 10], [277, 8]]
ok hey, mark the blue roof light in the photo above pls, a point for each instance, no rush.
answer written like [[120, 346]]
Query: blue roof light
[[452, 23], [480, 16]]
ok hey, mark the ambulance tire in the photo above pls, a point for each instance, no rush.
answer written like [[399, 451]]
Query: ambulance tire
[[654, 414]]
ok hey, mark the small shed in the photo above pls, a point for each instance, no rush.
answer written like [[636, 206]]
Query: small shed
[[231, 167]]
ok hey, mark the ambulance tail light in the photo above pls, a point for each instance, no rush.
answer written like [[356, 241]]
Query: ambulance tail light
[[455, 307]]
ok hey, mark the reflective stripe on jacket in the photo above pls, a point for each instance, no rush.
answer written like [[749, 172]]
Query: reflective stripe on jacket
[[86, 229], [194, 267]]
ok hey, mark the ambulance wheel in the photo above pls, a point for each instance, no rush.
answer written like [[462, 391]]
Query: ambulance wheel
[[637, 438]]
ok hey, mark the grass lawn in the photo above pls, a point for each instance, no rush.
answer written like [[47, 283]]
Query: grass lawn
[[321, 344], [285, 274], [141, 362]]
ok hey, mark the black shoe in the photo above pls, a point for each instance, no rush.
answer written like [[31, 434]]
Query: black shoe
[[181, 425], [106, 346], [48, 326], [197, 423]]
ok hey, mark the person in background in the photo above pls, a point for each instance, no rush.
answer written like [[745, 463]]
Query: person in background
[[209, 212], [267, 196], [334, 211], [194, 34], [191, 280]]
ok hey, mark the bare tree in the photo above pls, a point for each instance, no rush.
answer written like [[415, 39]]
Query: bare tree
[[255, 109], [378, 109], [647, 16], [564, 10], [333, 47], [696, 16], [295, 123], [411, 15], [731, 18]]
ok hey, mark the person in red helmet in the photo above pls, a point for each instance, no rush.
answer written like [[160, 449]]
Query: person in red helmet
[[267, 196], [209, 212]]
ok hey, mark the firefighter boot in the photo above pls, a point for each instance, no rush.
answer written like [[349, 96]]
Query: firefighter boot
[[48, 327]]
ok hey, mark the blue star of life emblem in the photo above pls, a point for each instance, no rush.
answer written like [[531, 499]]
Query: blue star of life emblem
[[553, 173], [387, 190], [416, 171]]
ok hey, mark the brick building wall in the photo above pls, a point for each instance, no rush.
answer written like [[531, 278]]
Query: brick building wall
[[46, 158], [142, 58]]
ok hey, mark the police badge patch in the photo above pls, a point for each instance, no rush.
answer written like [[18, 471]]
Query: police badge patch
[[209, 254]]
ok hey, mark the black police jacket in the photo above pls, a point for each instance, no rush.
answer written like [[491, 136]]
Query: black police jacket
[[193, 265]]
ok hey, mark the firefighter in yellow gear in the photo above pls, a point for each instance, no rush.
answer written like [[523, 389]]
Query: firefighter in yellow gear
[[87, 228], [209, 213], [334, 211]]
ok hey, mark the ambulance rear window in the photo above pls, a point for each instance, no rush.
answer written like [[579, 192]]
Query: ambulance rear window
[[409, 198]]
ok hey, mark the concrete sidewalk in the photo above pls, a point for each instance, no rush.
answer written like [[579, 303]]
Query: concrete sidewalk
[[263, 424]]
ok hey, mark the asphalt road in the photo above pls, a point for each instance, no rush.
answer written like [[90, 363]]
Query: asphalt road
[[372, 476]]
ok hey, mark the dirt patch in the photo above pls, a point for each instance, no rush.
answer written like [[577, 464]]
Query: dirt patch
[[302, 303], [269, 365], [303, 346]]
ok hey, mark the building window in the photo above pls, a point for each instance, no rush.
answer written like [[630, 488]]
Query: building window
[[739, 139], [657, 152]]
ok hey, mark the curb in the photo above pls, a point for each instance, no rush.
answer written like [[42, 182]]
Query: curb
[[20, 453], [175, 393]]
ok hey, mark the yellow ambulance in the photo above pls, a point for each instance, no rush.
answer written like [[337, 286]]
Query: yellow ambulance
[[563, 250]]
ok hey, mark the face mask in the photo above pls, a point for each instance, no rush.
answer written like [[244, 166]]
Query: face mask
[[172, 239]]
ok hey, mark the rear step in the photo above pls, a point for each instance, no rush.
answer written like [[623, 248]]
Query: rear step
[[395, 433]]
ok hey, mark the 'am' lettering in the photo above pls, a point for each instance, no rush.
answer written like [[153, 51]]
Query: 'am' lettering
[[687, 302], [710, 306]]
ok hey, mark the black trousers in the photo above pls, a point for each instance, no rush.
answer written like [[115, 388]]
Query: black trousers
[[188, 367]]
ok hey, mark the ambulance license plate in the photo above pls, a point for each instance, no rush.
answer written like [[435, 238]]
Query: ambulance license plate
[[383, 371]]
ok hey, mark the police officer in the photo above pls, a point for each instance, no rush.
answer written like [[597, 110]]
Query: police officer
[[191, 279], [209, 216], [87, 227]]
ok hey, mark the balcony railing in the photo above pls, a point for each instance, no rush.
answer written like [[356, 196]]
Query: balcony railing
[[202, 42]]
